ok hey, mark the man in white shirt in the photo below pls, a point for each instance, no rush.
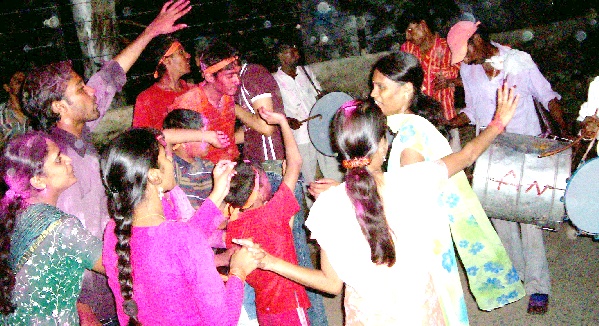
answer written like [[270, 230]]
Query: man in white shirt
[[300, 90]]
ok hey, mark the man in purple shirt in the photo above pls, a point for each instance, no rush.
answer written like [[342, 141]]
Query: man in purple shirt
[[486, 66], [61, 104]]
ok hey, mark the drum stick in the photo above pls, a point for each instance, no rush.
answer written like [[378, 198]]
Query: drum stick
[[312, 117]]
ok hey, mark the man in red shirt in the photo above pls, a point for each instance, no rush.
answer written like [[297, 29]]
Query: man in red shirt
[[440, 76], [214, 97], [152, 104]]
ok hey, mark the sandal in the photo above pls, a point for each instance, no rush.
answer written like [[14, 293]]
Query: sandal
[[537, 305]]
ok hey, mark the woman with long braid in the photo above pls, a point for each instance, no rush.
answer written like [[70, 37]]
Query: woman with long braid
[[43, 250], [160, 268], [368, 227]]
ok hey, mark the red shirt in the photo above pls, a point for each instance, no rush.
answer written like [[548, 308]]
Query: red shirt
[[437, 60], [151, 105], [269, 226], [222, 119]]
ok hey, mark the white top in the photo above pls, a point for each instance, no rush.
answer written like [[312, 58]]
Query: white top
[[393, 295], [298, 98]]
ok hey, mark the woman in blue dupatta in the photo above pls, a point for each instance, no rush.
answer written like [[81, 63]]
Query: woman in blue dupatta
[[43, 251]]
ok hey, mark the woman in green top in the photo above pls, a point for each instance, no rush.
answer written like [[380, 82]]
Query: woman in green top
[[43, 251]]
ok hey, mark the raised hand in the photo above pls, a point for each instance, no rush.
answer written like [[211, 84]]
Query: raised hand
[[507, 101], [217, 139], [171, 11], [271, 117], [223, 171]]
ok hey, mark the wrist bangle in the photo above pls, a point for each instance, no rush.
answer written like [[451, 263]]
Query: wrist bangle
[[497, 123]]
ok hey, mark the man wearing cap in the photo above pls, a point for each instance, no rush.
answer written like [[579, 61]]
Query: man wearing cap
[[173, 63], [214, 97], [486, 66], [60, 103], [440, 75]]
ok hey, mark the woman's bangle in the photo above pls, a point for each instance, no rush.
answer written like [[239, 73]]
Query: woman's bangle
[[497, 123]]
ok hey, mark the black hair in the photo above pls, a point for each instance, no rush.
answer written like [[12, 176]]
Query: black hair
[[157, 49], [215, 52], [357, 131], [402, 67], [183, 119], [125, 164], [22, 159], [242, 184]]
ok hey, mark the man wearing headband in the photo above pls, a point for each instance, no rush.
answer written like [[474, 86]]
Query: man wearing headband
[[440, 75], [214, 97], [486, 67], [59, 102], [173, 63]]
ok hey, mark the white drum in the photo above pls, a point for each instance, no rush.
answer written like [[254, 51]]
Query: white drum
[[582, 197]]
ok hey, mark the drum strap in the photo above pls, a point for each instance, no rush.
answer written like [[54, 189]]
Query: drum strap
[[318, 92], [266, 141]]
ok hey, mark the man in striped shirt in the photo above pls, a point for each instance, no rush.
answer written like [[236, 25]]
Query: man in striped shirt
[[440, 76]]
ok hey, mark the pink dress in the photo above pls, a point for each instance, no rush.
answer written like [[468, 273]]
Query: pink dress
[[175, 281]]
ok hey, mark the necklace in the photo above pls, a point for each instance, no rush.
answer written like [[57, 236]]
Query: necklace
[[152, 215]]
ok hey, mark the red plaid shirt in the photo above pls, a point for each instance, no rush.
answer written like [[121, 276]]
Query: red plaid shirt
[[437, 60]]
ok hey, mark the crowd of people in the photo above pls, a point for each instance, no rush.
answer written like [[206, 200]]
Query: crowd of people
[[173, 224]]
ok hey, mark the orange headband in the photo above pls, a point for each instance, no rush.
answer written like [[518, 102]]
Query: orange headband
[[171, 50], [220, 65]]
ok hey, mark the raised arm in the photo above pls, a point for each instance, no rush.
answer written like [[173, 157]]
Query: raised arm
[[217, 139], [507, 101], [254, 121], [164, 23], [292, 154]]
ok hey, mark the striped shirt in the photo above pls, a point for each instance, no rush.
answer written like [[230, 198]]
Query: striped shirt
[[437, 60]]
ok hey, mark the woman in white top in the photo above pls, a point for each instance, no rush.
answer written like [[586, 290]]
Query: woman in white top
[[382, 233]]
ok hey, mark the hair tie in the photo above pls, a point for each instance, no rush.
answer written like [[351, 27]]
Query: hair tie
[[356, 162], [217, 66], [130, 307], [11, 194]]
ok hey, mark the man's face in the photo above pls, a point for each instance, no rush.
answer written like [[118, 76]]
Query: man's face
[[289, 57], [227, 81], [415, 33], [81, 101], [475, 54], [16, 83], [178, 62]]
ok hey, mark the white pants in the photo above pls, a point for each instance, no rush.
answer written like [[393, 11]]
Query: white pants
[[454, 140], [312, 158], [525, 245]]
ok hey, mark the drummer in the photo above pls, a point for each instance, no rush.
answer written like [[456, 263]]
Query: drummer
[[486, 66], [300, 90]]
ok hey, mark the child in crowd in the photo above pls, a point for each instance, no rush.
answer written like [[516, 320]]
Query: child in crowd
[[159, 269], [255, 213]]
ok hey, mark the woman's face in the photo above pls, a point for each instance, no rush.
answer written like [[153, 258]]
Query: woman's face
[[392, 97], [167, 169], [58, 172]]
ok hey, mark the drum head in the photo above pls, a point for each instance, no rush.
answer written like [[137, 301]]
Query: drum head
[[581, 199], [319, 129]]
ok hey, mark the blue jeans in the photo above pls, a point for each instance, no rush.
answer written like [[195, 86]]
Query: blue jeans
[[316, 312]]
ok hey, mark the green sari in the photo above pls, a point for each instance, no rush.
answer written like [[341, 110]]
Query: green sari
[[492, 278]]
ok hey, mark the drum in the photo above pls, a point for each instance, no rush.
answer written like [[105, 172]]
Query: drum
[[514, 184], [319, 129], [582, 206]]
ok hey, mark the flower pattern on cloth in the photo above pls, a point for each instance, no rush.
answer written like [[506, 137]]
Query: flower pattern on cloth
[[48, 284], [492, 278]]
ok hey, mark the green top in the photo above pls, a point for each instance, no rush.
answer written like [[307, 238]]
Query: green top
[[48, 284]]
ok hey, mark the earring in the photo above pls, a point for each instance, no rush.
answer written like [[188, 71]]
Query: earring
[[160, 192]]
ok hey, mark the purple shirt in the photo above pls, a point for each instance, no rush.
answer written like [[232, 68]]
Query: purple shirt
[[175, 280], [86, 199], [481, 96], [257, 83]]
